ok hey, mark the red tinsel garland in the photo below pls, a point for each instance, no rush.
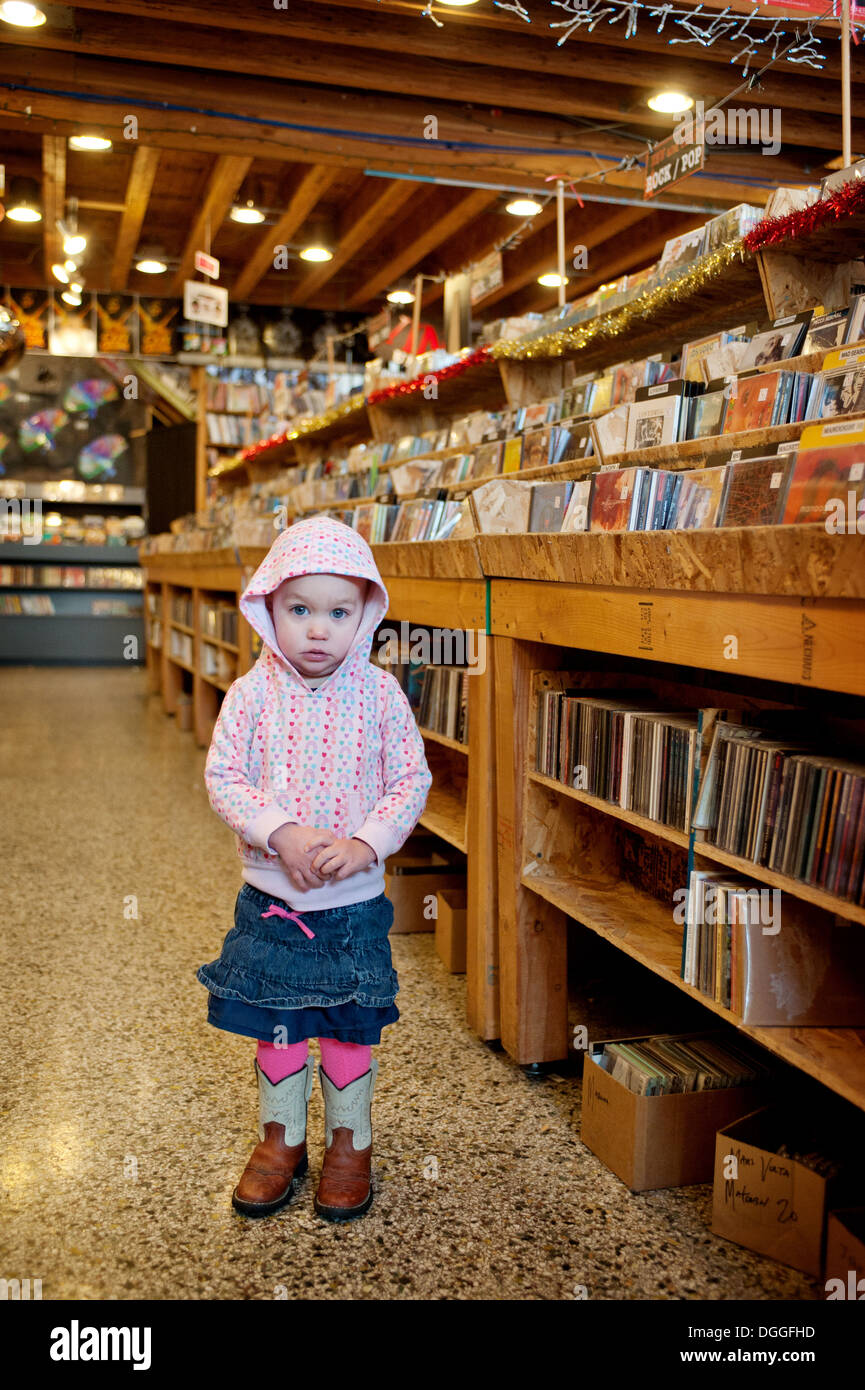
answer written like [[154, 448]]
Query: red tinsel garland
[[388, 393], [421, 383], [845, 201]]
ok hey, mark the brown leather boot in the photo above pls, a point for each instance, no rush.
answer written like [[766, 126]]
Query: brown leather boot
[[280, 1159], [345, 1189]]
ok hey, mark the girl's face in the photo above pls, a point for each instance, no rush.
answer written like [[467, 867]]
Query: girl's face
[[316, 618]]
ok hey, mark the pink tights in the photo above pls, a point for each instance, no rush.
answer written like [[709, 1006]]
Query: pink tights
[[342, 1061]]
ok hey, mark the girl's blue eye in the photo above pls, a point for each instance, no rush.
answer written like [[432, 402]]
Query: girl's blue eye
[[295, 606]]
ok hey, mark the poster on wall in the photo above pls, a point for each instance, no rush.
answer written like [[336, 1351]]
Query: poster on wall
[[158, 324], [116, 323], [32, 309]]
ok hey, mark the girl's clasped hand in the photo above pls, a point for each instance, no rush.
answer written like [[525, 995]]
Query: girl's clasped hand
[[337, 859]]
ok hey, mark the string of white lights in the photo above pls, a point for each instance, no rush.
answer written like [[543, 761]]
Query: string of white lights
[[697, 25]]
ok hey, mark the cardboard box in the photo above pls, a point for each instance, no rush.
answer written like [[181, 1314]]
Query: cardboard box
[[655, 1141], [415, 875], [451, 929], [774, 1205], [845, 1254]]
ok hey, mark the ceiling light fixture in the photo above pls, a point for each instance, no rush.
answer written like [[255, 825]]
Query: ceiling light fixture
[[150, 265], [69, 298], [89, 142], [21, 15], [74, 243], [246, 212], [400, 295], [24, 201], [552, 280], [455, 4], [671, 103], [523, 207], [60, 273], [316, 253]]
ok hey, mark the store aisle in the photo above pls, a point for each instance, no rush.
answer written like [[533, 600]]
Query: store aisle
[[126, 1120]]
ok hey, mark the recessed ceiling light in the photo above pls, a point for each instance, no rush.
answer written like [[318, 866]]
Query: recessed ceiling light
[[151, 266], [246, 212], [523, 207], [401, 297], [74, 244], [89, 142], [316, 253], [671, 103], [552, 280], [21, 15]]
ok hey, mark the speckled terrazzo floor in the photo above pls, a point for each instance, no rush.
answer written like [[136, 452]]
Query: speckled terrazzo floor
[[125, 1120]]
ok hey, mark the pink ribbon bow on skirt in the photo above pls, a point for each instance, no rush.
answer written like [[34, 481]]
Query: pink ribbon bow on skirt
[[274, 911]]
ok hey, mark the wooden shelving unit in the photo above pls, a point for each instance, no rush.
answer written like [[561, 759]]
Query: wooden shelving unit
[[559, 849]]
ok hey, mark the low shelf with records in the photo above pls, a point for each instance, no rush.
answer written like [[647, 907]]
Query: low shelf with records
[[622, 767], [70, 604]]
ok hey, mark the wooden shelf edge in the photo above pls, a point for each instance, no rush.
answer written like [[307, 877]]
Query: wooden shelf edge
[[802, 561], [443, 739]]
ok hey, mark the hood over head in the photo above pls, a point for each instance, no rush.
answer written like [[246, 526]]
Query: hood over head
[[317, 545]]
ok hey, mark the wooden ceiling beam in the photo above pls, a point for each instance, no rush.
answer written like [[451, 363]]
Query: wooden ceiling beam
[[406, 255], [366, 217], [141, 175], [713, 194], [307, 106], [601, 91], [227, 175], [313, 184], [53, 200], [354, 72]]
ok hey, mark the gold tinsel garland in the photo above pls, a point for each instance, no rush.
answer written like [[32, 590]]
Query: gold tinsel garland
[[328, 417], [617, 322]]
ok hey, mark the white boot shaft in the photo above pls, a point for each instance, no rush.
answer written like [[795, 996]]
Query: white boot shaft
[[285, 1102], [350, 1108]]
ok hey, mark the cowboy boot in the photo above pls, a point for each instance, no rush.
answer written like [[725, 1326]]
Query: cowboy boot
[[277, 1162], [344, 1189]]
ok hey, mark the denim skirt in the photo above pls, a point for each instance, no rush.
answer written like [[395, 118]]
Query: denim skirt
[[338, 981]]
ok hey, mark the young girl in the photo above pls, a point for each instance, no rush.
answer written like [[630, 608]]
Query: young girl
[[318, 765]]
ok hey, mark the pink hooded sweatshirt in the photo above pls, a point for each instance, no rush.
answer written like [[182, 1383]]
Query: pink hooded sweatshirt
[[347, 755]]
